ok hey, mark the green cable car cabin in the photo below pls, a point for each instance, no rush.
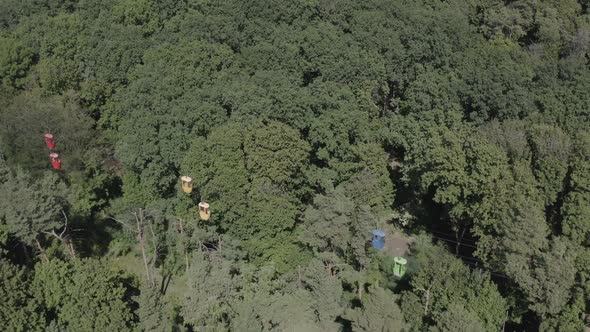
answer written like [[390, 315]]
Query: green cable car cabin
[[399, 266]]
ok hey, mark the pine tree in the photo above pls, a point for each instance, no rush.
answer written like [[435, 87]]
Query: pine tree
[[19, 309], [152, 311]]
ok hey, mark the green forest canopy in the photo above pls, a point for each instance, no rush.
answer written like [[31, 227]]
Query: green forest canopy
[[459, 126]]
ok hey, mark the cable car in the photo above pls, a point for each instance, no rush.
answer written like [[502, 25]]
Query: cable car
[[204, 212], [187, 184], [378, 240], [49, 141], [399, 266], [55, 162]]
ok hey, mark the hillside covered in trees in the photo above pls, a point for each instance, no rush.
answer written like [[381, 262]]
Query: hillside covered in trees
[[458, 128]]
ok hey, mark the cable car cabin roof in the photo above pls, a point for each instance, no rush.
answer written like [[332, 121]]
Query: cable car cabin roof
[[400, 260], [186, 178], [378, 233]]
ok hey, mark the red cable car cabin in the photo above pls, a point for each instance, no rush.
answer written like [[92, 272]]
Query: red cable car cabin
[[49, 141], [56, 163]]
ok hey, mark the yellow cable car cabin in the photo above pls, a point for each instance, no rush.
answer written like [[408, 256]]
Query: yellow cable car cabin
[[187, 184], [204, 212]]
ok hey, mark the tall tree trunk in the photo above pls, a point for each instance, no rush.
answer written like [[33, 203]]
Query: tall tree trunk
[[459, 239], [427, 299], [141, 239], [154, 254], [360, 290], [42, 251], [145, 261], [185, 246], [72, 250], [427, 304], [70, 246]]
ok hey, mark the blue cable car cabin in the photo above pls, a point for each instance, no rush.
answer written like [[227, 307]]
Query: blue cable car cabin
[[378, 239]]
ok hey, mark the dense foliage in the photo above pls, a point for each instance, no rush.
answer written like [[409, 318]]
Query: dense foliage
[[460, 126]]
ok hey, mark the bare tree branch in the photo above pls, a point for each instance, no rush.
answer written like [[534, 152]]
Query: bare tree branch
[[43, 254], [65, 224], [63, 238], [122, 223]]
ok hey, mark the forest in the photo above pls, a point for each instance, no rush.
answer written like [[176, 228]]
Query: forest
[[295, 165]]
